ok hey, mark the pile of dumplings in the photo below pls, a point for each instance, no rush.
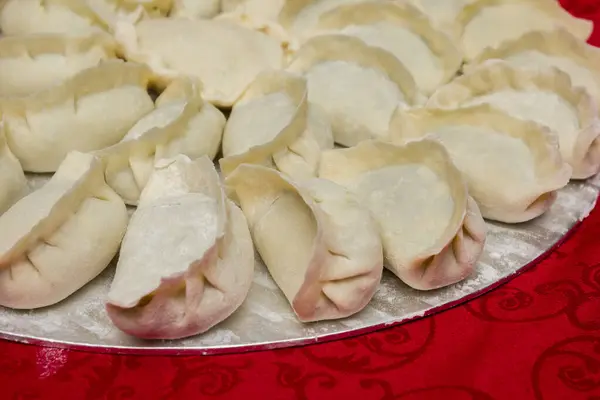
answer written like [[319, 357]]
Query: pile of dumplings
[[334, 137]]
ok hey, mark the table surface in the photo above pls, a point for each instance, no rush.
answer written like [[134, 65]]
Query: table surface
[[536, 337]]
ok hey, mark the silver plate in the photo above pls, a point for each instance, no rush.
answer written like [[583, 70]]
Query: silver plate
[[265, 320]]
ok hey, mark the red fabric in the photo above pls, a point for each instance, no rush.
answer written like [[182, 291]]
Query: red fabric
[[537, 337]]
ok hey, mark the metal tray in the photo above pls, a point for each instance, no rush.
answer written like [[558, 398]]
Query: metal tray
[[265, 320]]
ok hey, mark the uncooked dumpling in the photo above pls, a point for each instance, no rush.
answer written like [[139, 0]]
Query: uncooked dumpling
[[559, 49], [22, 17], [60, 237], [488, 23], [187, 259], [546, 97], [195, 9], [320, 245], [432, 230], [13, 184], [32, 63], [90, 111], [182, 123], [357, 85], [269, 125], [225, 56], [429, 55], [513, 167]]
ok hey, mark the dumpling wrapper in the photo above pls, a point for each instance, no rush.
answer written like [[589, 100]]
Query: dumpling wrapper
[[488, 23], [13, 184], [36, 62], [263, 10], [559, 49], [401, 29], [442, 13], [320, 245], [546, 97], [210, 50], [512, 167], [92, 110], [357, 85], [187, 259], [122, 8], [60, 237], [269, 125], [181, 123], [195, 9], [300, 16], [431, 229], [22, 17]]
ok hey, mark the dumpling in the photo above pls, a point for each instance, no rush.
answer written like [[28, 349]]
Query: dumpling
[[90, 111], [357, 85], [546, 97], [226, 57], [442, 13], [187, 259], [488, 23], [269, 125], [13, 184], [195, 9], [399, 28], [431, 229], [32, 63], [182, 123], [301, 16], [559, 49], [320, 245], [22, 17], [60, 237], [512, 167]]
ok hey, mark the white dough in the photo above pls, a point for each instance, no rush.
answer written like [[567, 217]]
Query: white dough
[[59, 237], [187, 258], [320, 245]]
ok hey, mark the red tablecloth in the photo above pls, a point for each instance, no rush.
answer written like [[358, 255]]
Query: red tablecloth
[[537, 337]]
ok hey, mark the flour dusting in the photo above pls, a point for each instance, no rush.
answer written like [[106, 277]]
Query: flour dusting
[[266, 315], [50, 360]]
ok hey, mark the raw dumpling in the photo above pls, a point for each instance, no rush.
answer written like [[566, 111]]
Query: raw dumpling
[[269, 125], [13, 184], [60, 237], [32, 63], [512, 167], [546, 97], [195, 9], [429, 55], [431, 229], [226, 57], [90, 111], [22, 17], [442, 13], [559, 49], [182, 123], [359, 86], [488, 23], [301, 16], [187, 259], [320, 245]]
